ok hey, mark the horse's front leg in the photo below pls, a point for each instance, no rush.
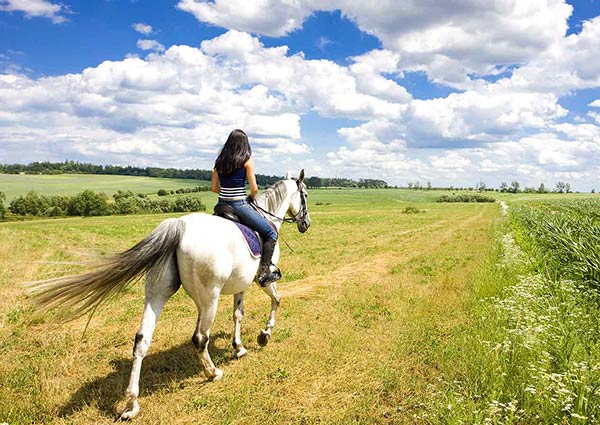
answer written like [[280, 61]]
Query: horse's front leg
[[264, 335], [238, 315]]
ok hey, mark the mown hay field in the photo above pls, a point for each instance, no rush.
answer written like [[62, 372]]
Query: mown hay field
[[375, 305]]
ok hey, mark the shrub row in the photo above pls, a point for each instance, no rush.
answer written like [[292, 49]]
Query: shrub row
[[466, 197], [165, 192], [90, 203]]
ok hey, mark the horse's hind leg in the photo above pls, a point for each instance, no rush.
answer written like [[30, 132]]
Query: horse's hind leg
[[207, 309], [238, 314], [265, 335], [158, 291]]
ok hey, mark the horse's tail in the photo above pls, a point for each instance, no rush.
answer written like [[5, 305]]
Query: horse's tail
[[82, 293]]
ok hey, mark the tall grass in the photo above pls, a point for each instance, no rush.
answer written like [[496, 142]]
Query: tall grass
[[562, 239], [532, 353]]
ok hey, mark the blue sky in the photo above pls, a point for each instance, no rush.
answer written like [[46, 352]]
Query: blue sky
[[452, 95]]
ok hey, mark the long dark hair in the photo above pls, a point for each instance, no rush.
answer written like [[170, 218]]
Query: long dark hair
[[234, 153]]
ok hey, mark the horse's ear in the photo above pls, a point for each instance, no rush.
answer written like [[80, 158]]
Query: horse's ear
[[288, 175], [301, 176]]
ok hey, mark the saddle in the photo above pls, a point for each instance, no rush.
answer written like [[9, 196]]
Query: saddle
[[253, 239], [226, 211]]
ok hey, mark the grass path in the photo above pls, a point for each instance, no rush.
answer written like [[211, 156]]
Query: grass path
[[369, 303]]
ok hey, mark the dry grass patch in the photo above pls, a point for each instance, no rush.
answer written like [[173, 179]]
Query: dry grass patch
[[355, 341]]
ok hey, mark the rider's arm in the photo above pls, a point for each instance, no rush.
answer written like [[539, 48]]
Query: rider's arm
[[249, 165], [214, 182]]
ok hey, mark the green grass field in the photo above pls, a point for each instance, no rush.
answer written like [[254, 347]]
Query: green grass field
[[380, 318], [14, 185]]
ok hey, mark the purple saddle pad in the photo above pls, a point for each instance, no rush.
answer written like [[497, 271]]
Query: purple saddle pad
[[252, 240]]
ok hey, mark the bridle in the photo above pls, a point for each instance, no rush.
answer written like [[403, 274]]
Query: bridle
[[300, 215]]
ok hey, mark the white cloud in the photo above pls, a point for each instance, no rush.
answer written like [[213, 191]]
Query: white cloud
[[36, 8], [170, 109], [318, 85], [170, 105], [142, 28], [150, 45], [323, 42], [451, 160], [568, 64], [270, 17], [446, 40]]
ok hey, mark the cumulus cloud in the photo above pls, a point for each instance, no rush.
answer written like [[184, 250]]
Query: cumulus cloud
[[154, 45], [568, 64], [448, 40], [170, 109], [171, 103], [319, 85], [143, 28], [36, 8], [269, 17]]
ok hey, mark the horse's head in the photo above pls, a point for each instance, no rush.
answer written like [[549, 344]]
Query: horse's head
[[298, 209]]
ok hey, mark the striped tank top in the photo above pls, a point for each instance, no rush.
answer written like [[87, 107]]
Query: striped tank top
[[233, 186]]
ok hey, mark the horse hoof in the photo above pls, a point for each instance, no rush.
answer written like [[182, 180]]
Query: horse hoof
[[241, 353], [263, 338], [130, 412], [218, 376]]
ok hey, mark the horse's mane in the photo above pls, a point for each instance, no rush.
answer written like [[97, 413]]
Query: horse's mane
[[273, 197]]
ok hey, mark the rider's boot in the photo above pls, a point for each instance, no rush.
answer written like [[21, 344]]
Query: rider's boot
[[265, 275]]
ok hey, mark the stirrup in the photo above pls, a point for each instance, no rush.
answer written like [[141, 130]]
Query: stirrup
[[271, 277]]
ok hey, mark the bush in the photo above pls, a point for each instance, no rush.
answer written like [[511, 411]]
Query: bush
[[2, 207], [162, 192], [88, 203], [466, 197], [188, 204], [30, 204], [127, 205], [412, 210], [122, 194]]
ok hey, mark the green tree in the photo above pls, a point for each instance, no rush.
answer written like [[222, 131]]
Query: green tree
[[542, 188], [30, 204], [88, 203], [561, 187], [515, 187]]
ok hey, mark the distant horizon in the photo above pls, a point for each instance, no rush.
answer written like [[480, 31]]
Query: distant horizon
[[399, 92], [549, 187]]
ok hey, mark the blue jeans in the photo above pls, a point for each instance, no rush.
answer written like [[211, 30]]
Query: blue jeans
[[252, 218]]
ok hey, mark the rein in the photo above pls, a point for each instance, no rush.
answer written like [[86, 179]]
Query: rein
[[292, 219]]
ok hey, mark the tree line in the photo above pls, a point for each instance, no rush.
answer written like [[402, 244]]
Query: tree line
[[74, 167], [514, 187]]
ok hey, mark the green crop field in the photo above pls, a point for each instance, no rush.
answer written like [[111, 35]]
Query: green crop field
[[389, 315], [70, 184]]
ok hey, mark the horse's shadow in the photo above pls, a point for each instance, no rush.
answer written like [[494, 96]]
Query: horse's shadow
[[164, 369]]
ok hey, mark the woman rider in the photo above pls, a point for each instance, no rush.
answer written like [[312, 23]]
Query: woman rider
[[232, 167]]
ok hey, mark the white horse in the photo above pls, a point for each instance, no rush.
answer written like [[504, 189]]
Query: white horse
[[206, 254]]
